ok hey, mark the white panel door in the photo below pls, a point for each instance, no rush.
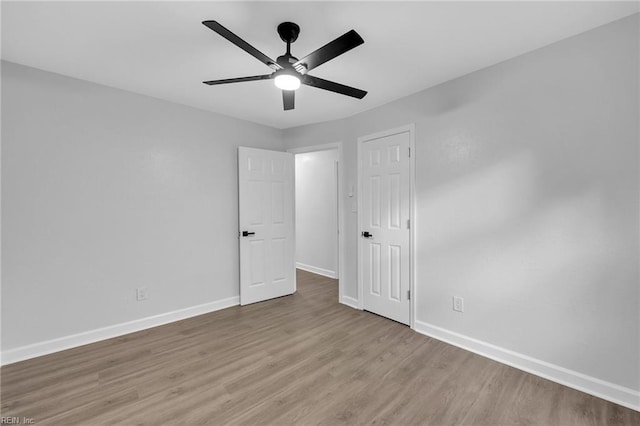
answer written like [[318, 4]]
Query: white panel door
[[266, 220], [385, 238]]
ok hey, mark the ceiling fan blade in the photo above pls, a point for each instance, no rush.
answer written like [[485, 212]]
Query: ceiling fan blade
[[320, 83], [215, 26], [238, 80], [337, 47], [288, 99]]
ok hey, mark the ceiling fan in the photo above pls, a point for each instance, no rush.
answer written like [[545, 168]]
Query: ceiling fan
[[289, 72]]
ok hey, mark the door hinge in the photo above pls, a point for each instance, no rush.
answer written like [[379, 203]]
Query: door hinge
[[409, 151], [408, 223], [409, 294]]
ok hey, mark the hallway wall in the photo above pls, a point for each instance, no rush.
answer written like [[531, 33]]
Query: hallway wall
[[316, 212]]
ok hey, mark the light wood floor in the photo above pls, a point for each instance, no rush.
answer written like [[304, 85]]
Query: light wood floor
[[300, 359]]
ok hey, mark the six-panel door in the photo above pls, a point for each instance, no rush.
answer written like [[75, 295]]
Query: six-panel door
[[266, 214], [385, 204]]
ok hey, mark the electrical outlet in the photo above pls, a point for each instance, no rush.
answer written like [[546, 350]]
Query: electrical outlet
[[458, 304], [142, 294]]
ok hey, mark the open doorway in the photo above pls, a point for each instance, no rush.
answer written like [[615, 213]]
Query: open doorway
[[317, 207]]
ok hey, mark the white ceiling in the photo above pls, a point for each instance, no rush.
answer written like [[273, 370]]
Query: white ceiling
[[161, 49]]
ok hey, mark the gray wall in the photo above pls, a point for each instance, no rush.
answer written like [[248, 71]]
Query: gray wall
[[527, 201], [104, 191]]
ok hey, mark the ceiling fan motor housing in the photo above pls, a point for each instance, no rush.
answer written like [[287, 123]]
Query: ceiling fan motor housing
[[287, 60]]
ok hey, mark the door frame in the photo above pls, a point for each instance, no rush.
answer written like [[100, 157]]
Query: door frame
[[411, 128], [341, 243]]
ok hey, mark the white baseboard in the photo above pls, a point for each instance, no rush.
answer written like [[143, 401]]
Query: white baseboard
[[602, 389], [67, 342], [349, 301], [316, 270]]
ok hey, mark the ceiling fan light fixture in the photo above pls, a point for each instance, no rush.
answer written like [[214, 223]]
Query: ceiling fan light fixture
[[287, 81]]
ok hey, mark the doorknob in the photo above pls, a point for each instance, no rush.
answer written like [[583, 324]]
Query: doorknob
[[366, 234], [247, 233]]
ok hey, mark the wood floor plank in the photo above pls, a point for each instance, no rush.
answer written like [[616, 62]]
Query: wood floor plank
[[300, 359]]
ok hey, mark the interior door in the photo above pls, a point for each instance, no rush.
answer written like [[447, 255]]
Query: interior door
[[385, 175], [266, 220]]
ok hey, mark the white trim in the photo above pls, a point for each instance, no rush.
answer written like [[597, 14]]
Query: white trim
[[349, 301], [359, 222], [627, 397], [67, 342], [317, 270], [342, 252], [413, 222], [341, 205], [411, 129], [315, 148]]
